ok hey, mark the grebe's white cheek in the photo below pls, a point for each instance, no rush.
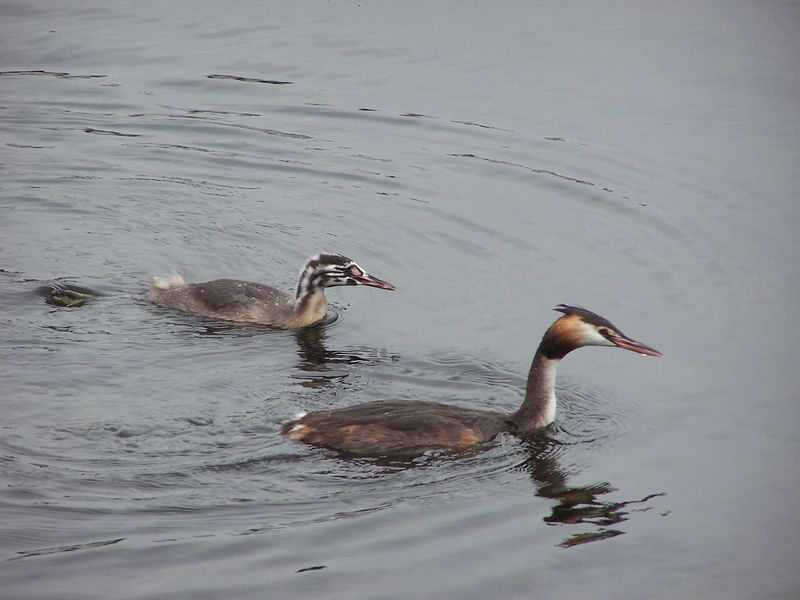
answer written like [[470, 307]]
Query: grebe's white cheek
[[591, 337]]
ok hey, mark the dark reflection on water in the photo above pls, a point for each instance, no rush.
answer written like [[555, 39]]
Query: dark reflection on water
[[579, 505], [317, 363], [249, 79], [72, 548], [47, 74]]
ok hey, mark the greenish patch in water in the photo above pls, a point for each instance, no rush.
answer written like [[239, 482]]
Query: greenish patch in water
[[66, 295]]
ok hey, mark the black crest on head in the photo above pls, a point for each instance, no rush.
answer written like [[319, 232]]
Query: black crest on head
[[587, 315], [333, 259]]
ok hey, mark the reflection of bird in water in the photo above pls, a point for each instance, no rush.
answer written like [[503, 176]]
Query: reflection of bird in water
[[312, 352], [318, 365], [575, 505], [250, 302], [412, 427]]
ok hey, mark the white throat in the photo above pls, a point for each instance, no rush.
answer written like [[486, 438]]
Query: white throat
[[539, 407], [547, 381]]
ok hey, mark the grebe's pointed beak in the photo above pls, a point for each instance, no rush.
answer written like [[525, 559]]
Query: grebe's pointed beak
[[367, 279], [620, 341]]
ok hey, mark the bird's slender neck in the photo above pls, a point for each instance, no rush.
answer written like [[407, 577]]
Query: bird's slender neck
[[309, 294], [307, 284], [539, 407]]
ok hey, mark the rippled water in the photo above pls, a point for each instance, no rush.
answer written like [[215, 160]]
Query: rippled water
[[491, 162]]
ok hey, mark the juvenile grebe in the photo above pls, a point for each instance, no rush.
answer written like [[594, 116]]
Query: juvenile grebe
[[386, 428], [251, 302]]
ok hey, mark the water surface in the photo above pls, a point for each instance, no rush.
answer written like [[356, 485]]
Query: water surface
[[491, 162]]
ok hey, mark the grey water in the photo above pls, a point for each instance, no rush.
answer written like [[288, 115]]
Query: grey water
[[491, 160]]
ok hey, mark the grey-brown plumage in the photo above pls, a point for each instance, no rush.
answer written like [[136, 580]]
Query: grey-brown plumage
[[396, 428], [250, 302]]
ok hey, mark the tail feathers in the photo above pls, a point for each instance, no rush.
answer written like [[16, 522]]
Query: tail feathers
[[294, 428], [171, 280]]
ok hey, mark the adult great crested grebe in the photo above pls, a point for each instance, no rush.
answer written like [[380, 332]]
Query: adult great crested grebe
[[250, 302], [397, 428]]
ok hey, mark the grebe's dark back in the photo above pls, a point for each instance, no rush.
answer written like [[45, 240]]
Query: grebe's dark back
[[395, 428], [250, 302]]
